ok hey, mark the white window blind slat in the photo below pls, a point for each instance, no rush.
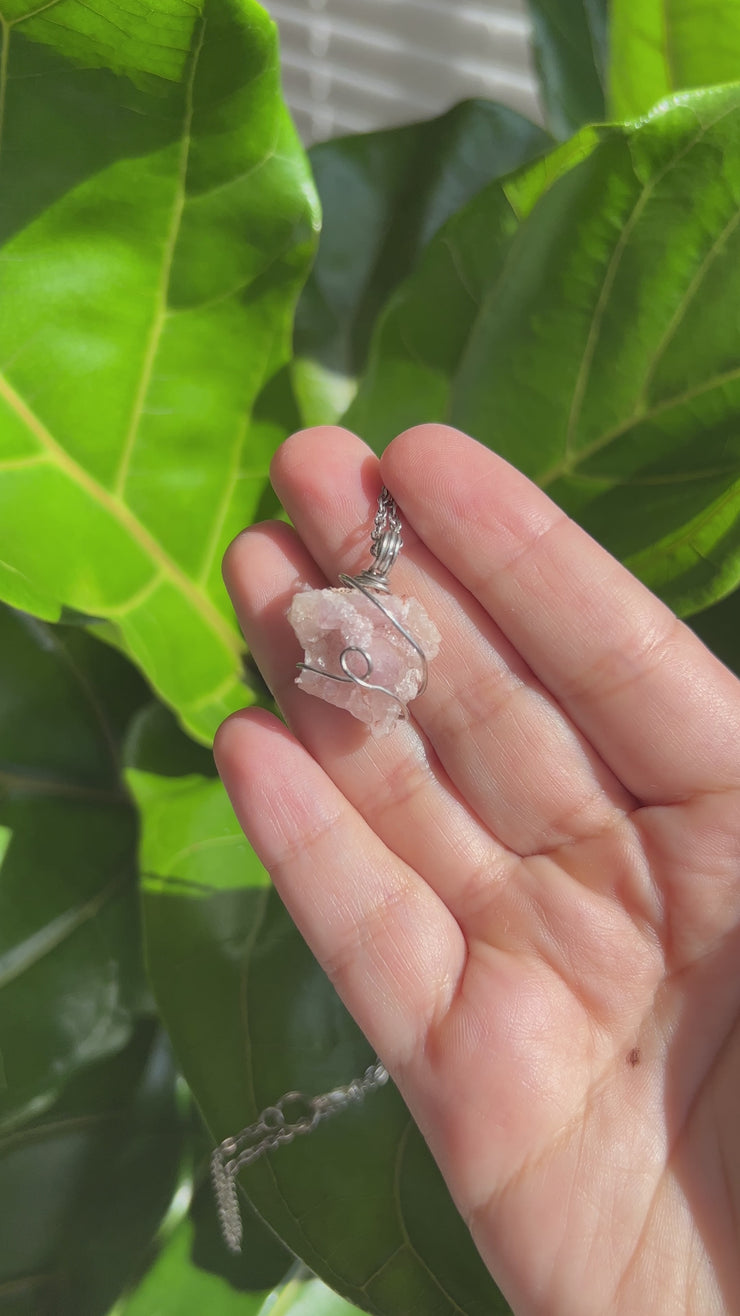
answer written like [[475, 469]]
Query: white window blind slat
[[464, 27], [357, 65]]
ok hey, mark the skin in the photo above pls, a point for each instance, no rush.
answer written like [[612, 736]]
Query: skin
[[528, 896]]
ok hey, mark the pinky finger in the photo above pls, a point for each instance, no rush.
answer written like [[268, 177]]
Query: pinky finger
[[390, 946]]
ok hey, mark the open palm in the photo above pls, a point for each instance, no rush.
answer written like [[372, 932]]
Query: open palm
[[529, 896]]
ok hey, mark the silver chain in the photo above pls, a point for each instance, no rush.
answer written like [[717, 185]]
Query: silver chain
[[293, 1115], [385, 543], [386, 519]]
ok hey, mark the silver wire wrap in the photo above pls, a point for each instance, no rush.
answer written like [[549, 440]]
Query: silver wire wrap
[[273, 1128], [385, 545]]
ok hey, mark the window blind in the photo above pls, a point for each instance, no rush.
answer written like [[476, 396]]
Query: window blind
[[356, 65]]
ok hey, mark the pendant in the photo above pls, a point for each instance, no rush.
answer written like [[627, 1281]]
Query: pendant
[[364, 649]]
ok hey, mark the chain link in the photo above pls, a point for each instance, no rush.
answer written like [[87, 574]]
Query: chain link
[[385, 544], [386, 520], [291, 1117], [295, 1114]]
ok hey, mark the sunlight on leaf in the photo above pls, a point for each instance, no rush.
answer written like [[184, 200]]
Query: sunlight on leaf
[[156, 240], [659, 48], [593, 343]]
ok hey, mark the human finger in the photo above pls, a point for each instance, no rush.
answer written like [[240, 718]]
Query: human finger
[[389, 945], [658, 707], [395, 782], [505, 744]]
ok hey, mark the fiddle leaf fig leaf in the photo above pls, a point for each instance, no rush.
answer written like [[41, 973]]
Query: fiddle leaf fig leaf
[[384, 195], [85, 1186], [156, 230], [106, 36], [657, 49], [71, 978], [592, 342], [175, 1285], [571, 51]]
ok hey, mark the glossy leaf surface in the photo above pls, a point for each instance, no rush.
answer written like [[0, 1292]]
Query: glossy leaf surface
[[157, 224], [84, 1187], [570, 46], [384, 195], [176, 1285], [594, 344], [252, 1016], [70, 971], [659, 48]]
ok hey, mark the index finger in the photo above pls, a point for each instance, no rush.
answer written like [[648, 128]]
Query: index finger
[[656, 705]]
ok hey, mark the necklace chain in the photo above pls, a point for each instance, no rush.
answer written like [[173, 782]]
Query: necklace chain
[[295, 1114], [292, 1116], [385, 544]]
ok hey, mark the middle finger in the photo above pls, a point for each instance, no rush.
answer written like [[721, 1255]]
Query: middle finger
[[504, 742]]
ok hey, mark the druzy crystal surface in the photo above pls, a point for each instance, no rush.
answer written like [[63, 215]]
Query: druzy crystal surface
[[332, 622]]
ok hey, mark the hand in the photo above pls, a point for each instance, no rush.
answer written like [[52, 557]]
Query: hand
[[529, 897]]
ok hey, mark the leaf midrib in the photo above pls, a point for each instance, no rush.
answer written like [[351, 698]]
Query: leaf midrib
[[113, 502], [397, 1170], [32, 783], [53, 1128], [20, 959], [610, 274], [160, 304], [569, 465], [123, 515]]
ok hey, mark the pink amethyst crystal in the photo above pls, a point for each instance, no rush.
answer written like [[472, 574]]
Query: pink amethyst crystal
[[329, 621]]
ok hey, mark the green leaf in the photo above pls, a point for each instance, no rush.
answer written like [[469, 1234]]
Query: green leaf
[[658, 48], [593, 344], [189, 835], [70, 969], [17, 590], [384, 196], [84, 1187], [416, 352], [156, 235], [570, 47], [176, 1285], [191, 1271], [252, 1016], [155, 43]]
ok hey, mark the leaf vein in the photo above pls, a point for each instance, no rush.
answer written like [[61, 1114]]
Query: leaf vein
[[610, 274], [124, 516], [20, 958], [689, 295], [22, 782], [568, 466], [14, 22], [401, 1152], [160, 309]]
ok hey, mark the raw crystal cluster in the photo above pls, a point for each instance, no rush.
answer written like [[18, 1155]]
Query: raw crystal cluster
[[333, 622]]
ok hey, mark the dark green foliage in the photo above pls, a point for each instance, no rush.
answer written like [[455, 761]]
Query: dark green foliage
[[575, 307]]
